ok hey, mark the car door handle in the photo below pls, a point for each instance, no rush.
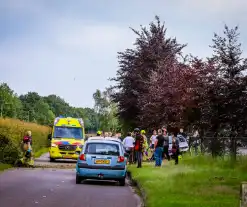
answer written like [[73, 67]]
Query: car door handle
[[108, 158], [93, 157]]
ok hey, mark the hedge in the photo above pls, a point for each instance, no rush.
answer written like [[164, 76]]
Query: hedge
[[11, 134]]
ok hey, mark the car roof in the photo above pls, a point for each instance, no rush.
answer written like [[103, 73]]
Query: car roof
[[104, 140], [113, 139], [95, 138]]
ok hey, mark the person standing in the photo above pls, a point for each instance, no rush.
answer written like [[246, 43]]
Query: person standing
[[134, 152], [99, 133], [145, 145], [27, 148], [175, 148], [182, 133], [166, 144], [158, 147], [119, 135], [153, 139], [139, 141], [195, 142], [128, 143]]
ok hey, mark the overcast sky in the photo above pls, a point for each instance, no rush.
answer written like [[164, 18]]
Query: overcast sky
[[69, 48]]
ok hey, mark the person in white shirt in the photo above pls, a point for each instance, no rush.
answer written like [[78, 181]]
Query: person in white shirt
[[153, 139], [128, 143]]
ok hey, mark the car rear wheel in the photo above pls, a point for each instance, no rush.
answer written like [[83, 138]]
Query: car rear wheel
[[122, 182], [78, 179]]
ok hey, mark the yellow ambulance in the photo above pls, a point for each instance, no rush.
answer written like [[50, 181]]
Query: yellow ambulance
[[67, 138]]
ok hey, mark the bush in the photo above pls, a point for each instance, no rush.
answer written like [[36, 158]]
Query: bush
[[11, 134]]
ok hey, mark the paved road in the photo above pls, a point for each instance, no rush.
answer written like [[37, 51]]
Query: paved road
[[57, 187], [44, 161]]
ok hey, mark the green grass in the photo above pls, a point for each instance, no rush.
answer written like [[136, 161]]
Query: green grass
[[41, 152], [195, 182], [4, 167]]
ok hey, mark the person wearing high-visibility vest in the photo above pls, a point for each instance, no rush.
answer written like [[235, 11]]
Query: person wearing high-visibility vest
[[145, 145]]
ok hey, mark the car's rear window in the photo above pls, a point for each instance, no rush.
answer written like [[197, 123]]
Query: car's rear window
[[102, 149]]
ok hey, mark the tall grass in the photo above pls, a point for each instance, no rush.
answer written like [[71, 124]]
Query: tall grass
[[196, 181], [11, 135]]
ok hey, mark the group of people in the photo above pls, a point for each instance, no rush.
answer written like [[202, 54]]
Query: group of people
[[161, 145], [109, 134]]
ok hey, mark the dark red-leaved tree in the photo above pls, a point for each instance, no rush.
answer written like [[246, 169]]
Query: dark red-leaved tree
[[168, 95], [137, 68], [231, 94]]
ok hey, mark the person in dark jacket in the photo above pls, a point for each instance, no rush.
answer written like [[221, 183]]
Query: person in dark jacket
[[159, 147], [175, 148], [166, 145], [139, 142], [182, 133]]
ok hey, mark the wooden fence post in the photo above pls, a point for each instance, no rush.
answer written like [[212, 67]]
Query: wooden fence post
[[243, 194]]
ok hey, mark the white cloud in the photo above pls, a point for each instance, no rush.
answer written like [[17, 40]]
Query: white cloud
[[67, 51]]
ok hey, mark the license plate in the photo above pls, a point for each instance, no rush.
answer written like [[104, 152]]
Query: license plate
[[102, 161], [67, 156]]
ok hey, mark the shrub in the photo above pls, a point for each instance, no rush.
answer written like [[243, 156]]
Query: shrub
[[11, 134]]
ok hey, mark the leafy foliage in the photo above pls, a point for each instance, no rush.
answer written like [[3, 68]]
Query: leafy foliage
[[11, 135], [106, 111], [157, 84], [32, 107], [139, 71]]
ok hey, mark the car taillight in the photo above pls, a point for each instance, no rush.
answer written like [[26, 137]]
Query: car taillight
[[82, 157], [120, 159]]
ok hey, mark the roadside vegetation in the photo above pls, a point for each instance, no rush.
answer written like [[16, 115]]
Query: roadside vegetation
[[4, 167], [11, 135], [41, 151], [32, 107], [196, 181], [158, 84]]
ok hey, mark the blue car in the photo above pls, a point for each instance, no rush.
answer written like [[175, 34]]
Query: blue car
[[102, 159]]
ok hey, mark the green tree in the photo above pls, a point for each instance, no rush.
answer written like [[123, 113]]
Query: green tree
[[10, 105], [43, 114], [35, 109], [58, 105], [106, 111]]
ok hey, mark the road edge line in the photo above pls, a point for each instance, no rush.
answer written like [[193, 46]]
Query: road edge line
[[135, 186]]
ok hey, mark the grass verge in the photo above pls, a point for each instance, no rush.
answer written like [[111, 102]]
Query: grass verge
[[4, 166], [195, 182], [41, 152]]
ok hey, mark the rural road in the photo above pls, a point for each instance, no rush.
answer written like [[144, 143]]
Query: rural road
[[56, 187]]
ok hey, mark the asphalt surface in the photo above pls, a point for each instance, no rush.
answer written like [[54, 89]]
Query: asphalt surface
[[49, 187], [44, 161]]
